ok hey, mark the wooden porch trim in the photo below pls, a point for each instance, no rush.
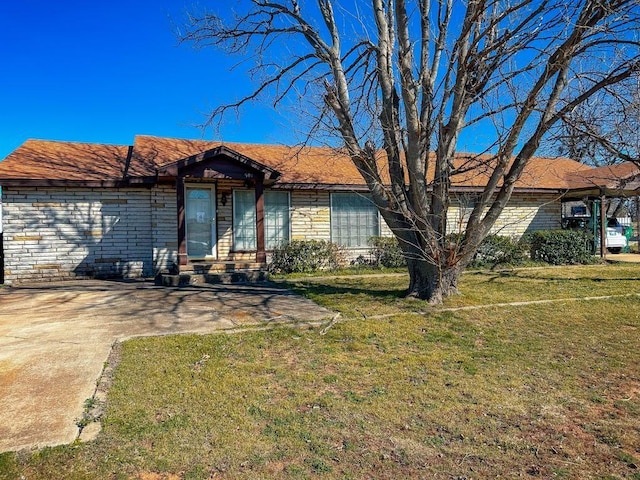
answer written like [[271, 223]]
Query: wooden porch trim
[[261, 255], [182, 227]]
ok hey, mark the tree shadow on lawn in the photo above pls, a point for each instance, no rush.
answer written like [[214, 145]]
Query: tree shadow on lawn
[[318, 288]]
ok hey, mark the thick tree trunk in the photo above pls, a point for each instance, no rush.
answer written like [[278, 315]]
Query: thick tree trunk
[[431, 282]]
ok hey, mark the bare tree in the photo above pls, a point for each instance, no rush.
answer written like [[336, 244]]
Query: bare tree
[[605, 129], [399, 81]]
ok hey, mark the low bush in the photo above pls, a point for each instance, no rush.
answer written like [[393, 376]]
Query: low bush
[[499, 250], [495, 250], [561, 247], [386, 252], [306, 256]]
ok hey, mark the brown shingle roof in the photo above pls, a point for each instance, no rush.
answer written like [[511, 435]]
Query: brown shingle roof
[[42, 159], [296, 164], [622, 176], [48, 160]]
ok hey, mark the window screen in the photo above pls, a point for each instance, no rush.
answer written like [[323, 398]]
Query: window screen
[[276, 218]]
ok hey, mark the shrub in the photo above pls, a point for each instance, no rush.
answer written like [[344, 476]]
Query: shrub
[[499, 250], [495, 250], [362, 261], [386, 252], [306, 256], [560, 247]]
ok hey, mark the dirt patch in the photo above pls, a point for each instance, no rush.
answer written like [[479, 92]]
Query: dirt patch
[[157, 476], [9, 373]]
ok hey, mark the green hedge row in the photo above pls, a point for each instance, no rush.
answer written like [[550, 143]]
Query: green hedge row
[[306, 256], [561, 247], [557, 247]]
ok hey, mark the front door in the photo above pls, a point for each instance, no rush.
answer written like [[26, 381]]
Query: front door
[[201, 222]]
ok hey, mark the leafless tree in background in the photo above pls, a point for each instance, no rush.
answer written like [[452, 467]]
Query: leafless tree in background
[[605, 129], [394, 80]]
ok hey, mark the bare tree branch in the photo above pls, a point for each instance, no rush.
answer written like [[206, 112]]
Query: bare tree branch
[[398, 82]]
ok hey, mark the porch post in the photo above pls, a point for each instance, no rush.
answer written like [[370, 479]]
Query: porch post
[[182, 230], [261, 256], [638, 222], [603, 226]]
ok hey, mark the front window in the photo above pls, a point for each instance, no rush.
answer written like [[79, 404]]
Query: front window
[[276, 219], [354, 219], [244, 220]]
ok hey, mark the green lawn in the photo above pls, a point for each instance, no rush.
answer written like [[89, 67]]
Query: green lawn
[[534, 391], [375, 295]]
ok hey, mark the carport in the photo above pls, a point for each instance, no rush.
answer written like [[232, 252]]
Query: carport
[[598, 186]]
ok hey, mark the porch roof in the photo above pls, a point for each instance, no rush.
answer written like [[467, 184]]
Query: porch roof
[[621, 180], [221, 160]]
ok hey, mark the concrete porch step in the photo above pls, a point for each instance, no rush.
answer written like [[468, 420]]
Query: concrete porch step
[[203, 268], [187, 278]]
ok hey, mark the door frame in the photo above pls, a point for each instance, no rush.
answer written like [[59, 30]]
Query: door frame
[[213, 254]]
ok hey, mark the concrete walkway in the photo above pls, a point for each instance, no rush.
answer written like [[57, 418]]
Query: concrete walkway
[[54, 340], [624, 257]]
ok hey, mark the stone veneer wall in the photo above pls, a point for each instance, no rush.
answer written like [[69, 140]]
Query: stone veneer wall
[[60, 233]]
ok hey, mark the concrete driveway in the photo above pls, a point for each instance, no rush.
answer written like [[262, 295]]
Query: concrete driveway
[[54, 340]]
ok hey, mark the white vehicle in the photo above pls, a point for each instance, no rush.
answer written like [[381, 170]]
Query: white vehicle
[[615, 240]]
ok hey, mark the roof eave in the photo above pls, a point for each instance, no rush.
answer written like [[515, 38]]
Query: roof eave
[[364, 188], [111, 183]]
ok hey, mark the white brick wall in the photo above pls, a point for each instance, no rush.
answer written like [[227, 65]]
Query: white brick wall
[[57, 233], [311, 215], [524, 213], [164, 227]]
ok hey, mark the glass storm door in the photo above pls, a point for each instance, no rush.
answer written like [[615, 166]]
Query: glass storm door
[[201, 222]]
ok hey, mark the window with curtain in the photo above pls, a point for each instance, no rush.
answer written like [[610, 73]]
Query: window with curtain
[[276, 219], [354, 219]]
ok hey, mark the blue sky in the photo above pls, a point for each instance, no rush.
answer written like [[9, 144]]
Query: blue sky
[[106, 71]]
